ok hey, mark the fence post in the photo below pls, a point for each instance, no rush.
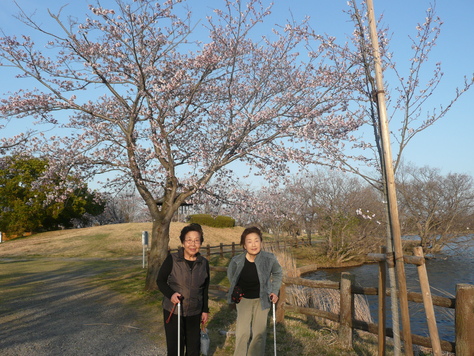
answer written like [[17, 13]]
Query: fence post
[[381, 300], [428, 303], [208, 251], [464, 319], [221, 248], [233, 249], [145, 247], [280, 313], [346, 309]]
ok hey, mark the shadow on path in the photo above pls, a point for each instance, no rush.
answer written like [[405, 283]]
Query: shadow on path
[[50, 307]]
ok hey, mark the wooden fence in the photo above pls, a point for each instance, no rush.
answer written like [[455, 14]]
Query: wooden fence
[[220, 249], [463, 304], [234, 248]]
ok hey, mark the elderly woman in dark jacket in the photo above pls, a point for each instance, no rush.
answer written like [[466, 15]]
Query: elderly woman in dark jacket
[[184, 276], [258, 275]]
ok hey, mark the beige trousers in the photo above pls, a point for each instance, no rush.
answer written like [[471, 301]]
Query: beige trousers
[[251, 328]]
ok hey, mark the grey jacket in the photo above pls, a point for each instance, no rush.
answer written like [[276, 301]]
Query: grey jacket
[[269, 272]]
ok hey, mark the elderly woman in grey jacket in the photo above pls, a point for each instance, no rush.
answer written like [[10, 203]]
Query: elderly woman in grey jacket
[[256, 276]]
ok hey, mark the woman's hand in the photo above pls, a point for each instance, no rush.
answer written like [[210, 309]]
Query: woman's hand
[[204, 318], [273, 298], [176, 298]]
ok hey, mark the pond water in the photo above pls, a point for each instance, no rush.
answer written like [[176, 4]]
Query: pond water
[[455, 265]]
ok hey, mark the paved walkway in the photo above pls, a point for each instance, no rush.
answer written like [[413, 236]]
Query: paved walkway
[[59, 312]]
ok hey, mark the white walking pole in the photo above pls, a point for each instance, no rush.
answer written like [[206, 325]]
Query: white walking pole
[[274, 330], [179, 329]]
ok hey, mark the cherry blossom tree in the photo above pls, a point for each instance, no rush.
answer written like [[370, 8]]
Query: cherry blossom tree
[[124, 206], [171, 111], [10, 143]]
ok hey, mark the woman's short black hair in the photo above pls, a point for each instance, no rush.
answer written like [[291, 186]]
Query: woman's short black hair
[[250, 230], [191, 227]]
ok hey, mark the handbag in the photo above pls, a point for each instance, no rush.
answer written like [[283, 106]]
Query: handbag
[[205, 341], [237, 294]]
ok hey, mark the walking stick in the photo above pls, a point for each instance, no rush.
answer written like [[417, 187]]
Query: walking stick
[[179, 328], [274, 330]]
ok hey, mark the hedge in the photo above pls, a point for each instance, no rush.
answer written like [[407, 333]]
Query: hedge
[[208, 220]]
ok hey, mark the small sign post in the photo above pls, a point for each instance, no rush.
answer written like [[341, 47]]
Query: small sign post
[[145, 246]]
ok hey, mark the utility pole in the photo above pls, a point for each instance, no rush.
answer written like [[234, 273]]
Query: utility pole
[[390, 182]]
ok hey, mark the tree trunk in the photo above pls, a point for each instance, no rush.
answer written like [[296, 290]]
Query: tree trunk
[[309, 232], [160, 238]]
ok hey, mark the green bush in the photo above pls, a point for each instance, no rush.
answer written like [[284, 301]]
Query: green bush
[[202, 219], [224, 221], [208, 220]]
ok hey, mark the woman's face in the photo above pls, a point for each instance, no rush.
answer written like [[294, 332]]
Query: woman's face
[[191, 244], [253, 244]]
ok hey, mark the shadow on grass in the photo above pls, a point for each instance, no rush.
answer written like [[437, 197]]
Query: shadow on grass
[[58, 307], [221, 329]]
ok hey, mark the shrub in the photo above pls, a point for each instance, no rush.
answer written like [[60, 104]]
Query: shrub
[[224, 221], [208, 220]]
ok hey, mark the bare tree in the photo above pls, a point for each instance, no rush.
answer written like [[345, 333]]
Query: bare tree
[[347, 214], [435, 207], [408, 94], [303, 195]]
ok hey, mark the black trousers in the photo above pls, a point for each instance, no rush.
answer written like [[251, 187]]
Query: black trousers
[[190, 334]]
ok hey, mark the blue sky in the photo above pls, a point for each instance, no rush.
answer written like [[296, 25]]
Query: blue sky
[[448, 145]]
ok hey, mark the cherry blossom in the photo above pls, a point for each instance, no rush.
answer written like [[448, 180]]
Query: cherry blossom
[[169, 113]]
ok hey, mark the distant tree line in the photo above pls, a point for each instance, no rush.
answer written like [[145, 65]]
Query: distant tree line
[[349, 215]]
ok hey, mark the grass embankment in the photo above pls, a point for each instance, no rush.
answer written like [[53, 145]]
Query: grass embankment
[[114, 253]]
